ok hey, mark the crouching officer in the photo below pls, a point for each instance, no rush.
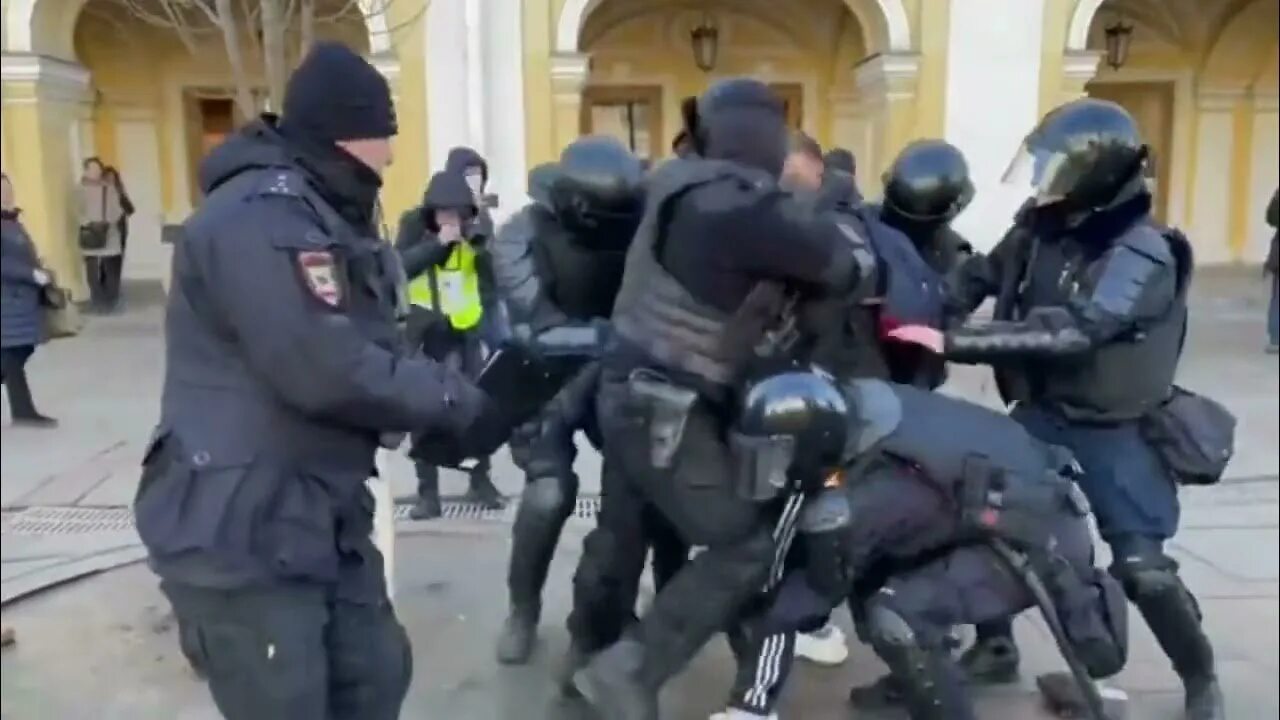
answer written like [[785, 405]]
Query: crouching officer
[[443, 253], [945, 513], [558, 265], [1089, 324], [284, 374], [693, 316]]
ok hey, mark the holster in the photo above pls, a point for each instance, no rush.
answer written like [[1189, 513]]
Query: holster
[[668, 407], [992, 506], [760, 464]]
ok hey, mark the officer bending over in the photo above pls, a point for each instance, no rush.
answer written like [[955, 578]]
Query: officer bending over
[[706, 281], [938, 497], [284, 371], [1089, 324], [442, 249]]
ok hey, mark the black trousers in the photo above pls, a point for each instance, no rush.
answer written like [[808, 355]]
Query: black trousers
[[696, 498], [294, 652], [103, 275], [13, 373]]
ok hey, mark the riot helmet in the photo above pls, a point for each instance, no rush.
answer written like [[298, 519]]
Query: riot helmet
[[1085, 155], [597, 189], [806, 413], [740, 120], [928, 182]]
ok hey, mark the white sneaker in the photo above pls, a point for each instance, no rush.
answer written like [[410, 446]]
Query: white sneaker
[[825, 646], [736, 714]]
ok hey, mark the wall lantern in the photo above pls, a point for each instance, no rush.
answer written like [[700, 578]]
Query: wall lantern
[[1119, 37], [705, 40]]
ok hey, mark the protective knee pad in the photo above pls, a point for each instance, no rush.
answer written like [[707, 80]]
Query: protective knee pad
[[550, 495], [917, 661], [1145, 577]]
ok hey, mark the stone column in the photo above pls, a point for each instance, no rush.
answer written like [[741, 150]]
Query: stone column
[[569, 73], [886, 95], [1079, 67], [1214, 149], [45, 101]]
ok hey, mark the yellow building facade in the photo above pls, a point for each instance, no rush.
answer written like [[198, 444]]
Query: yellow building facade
[[519, 79]]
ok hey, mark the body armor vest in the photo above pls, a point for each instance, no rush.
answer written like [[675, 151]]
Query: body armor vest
[[658, 315]]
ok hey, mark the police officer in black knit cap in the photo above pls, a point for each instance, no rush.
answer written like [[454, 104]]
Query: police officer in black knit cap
[[284, 375], [695, 314]]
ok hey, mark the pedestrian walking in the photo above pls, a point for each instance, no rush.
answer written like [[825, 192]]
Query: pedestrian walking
[[100, 213], [26, 286]]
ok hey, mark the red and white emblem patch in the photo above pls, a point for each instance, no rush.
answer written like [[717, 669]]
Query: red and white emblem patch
[[321, 274]]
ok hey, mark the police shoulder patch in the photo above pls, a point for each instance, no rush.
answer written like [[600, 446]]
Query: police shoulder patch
[[320, 273]]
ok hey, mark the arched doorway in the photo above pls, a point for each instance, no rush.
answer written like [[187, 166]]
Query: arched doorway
[[1200, 79], [845, 68], [88, 78]]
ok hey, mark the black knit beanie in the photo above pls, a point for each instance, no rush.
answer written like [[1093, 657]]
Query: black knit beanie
[[337, 95]]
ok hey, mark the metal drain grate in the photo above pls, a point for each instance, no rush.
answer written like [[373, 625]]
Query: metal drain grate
[[79, 520], [67, 521]]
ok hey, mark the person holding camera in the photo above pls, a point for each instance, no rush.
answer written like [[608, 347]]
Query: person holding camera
[[442, 249]]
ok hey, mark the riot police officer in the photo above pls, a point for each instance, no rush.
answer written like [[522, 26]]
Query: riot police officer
[[558, 265], [285, 371], [925, 188], [693, 316], [1089, 325], [942, 508]]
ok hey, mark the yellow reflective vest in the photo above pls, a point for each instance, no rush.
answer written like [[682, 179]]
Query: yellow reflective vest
[[452, 289]]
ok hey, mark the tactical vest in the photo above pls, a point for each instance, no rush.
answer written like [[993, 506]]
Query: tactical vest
[[1004, 481], [582, 282], [658, 315], [452, 289], [1124, 378]]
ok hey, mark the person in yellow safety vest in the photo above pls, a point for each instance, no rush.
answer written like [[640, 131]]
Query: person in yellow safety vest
[[444, 259]]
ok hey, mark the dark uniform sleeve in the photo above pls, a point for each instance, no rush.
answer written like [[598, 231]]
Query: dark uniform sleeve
[[516, 276], [1136, 283], [781, 238], [303, 345]]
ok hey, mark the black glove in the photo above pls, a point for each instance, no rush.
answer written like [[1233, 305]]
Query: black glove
[[478, 439]]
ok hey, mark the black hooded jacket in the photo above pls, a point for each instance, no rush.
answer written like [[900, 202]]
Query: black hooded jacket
[[461, 158], [416, 240]]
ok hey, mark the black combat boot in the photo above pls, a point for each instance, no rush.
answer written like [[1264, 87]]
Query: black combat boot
[[428, 505], [993, 659], [544, 508], [1174, 618], [482, 490], [519, 633], [882, 694], [614, 682]]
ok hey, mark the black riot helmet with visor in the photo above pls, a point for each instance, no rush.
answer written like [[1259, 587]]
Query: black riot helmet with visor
[[790, 430], [1084, 156], [597, 188], [928, 182]]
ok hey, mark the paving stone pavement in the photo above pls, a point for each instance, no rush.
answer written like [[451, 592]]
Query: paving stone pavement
[[108, 637]]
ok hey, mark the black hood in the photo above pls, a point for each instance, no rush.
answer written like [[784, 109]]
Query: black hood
[[447, 191], [347, 184], [461, 158]]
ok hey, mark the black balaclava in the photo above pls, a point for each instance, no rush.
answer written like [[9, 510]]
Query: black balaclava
[[741, 120]]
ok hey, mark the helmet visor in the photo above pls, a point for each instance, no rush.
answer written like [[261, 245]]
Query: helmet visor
[[1040, 173]]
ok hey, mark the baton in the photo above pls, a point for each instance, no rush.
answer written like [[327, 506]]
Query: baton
[[1022, 567]]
